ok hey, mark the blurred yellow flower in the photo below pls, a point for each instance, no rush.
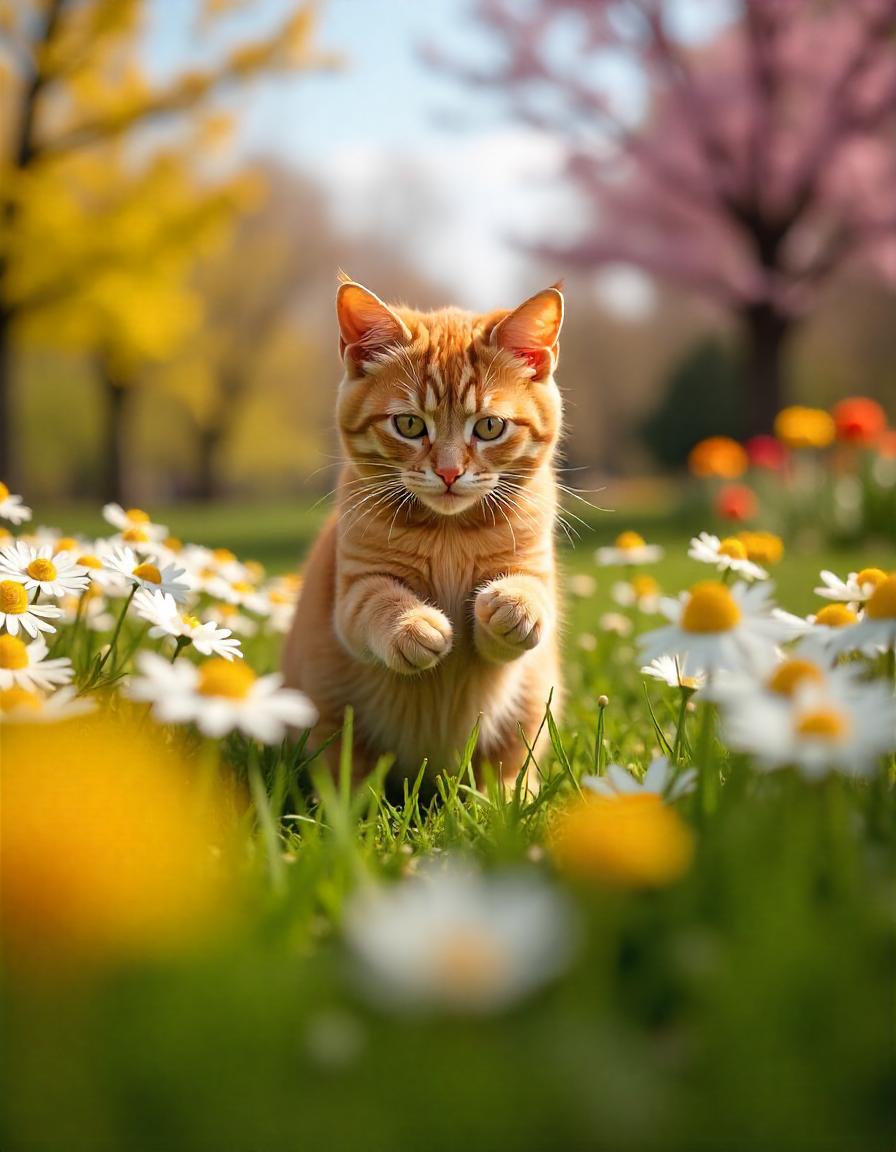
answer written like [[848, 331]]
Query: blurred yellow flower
[[107, 851], [799, 427], [718, 456], [629, 841], [762, 547]]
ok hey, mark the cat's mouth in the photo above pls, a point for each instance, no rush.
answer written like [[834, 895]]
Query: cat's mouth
[[448, 501]]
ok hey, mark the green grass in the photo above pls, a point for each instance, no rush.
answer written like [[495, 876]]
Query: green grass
[[748, 1006]]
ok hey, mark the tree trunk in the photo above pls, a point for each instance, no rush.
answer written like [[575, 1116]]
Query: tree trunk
[[116, 400], [766, 331], [8, 464], [208, 451]]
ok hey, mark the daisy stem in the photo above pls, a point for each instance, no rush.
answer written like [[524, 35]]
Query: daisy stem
[[104, 658], [891, 665], [36, 596], [680, 727], [599, 737], [182, 642], [265, 820], [707, 783]]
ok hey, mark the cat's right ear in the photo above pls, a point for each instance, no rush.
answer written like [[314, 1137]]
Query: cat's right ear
[[366, 325]]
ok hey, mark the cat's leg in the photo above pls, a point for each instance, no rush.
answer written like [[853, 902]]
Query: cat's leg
[[512, 614], [379, 618]]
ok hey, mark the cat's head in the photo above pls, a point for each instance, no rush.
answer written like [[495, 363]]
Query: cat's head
[[449, 404]]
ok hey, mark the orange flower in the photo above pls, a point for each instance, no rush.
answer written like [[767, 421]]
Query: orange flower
[[799, 427], [737, 502], [630, 841], [859, 420], [718, 456]]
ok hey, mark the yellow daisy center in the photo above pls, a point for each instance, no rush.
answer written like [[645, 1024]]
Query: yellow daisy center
[[173, 543], [225, 609], [872, 576], [643, 586], [4, 491], [11, 698], [881, 604], [255, 570], [88, 560], [824, 724], [469, 961], [762, 547], [835, 616], [135, 536], [218, 677], [42, 570], [13, 653], [734, 549], [628, 541], [191, 621], [64, 544], [787, 677], [149, 573], [137, 516], [242, 586], [13, 598], [223, 555], [711, 608], [5, 534]]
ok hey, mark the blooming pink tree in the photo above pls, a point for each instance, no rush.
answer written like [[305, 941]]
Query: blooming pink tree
[[745, 151]]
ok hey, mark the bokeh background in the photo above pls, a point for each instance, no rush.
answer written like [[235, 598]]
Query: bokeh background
[[181, 181]]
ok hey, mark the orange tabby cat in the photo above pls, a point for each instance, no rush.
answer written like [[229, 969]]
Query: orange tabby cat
[[430, 596]]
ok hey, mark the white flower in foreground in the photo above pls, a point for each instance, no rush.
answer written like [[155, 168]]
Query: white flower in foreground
[[825, 635], [715, 627], [124, 562], [835, 726], [16, 613], [629, 548], [220, 696], [54, 573], [660, 779], [23, 706], [855, 589], [458, 941], [26, 666], [876, 631], [729, 555], [160, 609], [12, 508], [134, 524], [671, 671]]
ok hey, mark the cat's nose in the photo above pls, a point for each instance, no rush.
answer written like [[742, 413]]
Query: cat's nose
[[447, 475]]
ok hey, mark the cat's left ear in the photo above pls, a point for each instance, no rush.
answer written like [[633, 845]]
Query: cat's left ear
[[366, 325], [531, 331]]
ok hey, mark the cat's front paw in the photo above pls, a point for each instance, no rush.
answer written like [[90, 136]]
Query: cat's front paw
[[419, 638], [509, 620]]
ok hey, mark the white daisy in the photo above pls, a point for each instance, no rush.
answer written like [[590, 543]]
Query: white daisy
[[16, 612], [825, 634], [630, 548], [616, 623], [229, 616], [26, 666], [660, 779], [582, 584], [714, 626], [125, 562], [23, 706], [728, 555], [136, 522], [55, 574], [243, 593], [876, 631], [819, 728], [855, 589], [641, 592], [220, 696], [453, 940], [12, 508], [161, 610], [671, 671]]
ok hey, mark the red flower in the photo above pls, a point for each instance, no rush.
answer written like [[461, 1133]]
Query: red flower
[[859, 420], [767, 452], [737, 502]]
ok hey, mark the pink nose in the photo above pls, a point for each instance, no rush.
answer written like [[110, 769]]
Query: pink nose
[[448, 475]]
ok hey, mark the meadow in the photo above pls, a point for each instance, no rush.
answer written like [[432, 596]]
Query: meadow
[[212, 943]]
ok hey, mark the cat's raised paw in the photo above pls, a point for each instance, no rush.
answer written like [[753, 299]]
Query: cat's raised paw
[[421, 636], [509, 622]]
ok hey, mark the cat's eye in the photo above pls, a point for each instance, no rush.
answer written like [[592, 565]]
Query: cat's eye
[[410, 426], [489, 428]]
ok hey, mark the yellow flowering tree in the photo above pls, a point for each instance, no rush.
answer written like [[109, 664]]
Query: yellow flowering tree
[[90, 209]]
